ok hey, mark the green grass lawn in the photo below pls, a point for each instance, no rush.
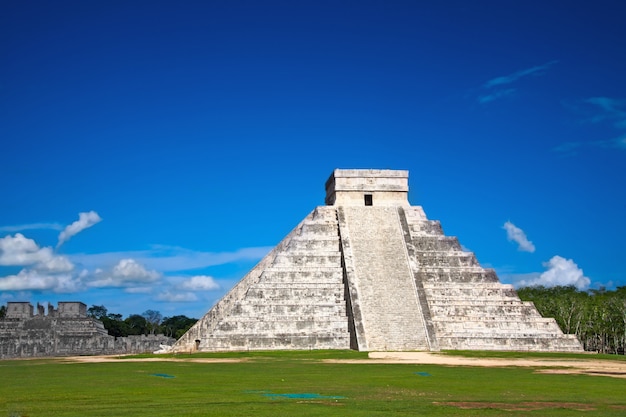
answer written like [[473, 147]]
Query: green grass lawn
[[257, 387]]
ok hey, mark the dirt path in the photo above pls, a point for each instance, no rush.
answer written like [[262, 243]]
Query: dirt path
[[591, 366], [117, 359]]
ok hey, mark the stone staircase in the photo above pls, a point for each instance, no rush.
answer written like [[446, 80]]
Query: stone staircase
[[381, 280], [469, 307], [294, 299]]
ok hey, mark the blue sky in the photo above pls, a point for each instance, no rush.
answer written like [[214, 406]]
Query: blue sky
[[152, 152]]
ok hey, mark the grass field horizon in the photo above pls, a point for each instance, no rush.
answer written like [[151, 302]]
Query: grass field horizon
[[300, 383]]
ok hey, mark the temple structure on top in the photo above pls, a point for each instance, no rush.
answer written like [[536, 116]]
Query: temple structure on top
[[368, 271]]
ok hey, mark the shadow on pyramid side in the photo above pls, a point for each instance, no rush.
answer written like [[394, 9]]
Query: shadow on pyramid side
[[370, 272]]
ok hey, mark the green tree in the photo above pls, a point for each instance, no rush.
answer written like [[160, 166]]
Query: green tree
[[115, 325], [176, 326], [97, 312], [136, 325], [568, 306], [621, 296], [597, 317], [3, 311], [153, 319]]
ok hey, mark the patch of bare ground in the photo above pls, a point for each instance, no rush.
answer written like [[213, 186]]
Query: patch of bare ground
[[117, 358], [598, 367], [332, 404], [525, 406]]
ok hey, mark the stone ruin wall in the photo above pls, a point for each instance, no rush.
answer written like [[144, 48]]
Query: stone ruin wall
[[65, 331]]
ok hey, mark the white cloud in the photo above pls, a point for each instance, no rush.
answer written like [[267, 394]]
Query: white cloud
[[572, 148], [200, 283], [28, 279], [131, 270], [138, 290], [55, 264], [517, 235], [610, 109], [170, 258], [560, 271], [31, 226], [127, 272], [84, 221], [19, 250], [495, 95], [177, 297], [44, 270], [499, 87], [508, 79]]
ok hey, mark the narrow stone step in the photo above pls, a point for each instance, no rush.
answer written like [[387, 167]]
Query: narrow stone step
[[437, 243], [289, 259], [426, 228], [314, 245], [322, 311], [458, 276], [446, 260]]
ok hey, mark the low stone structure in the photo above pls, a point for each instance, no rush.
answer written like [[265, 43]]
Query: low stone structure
[[368, 271], [64, 331]]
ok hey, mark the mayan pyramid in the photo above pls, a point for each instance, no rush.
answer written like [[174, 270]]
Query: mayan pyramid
[[368, 271]]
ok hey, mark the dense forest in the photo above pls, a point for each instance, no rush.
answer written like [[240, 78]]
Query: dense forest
[[597, 317], [149, 322]]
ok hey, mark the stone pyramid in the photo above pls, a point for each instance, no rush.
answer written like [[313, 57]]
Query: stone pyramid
[[368, 271]]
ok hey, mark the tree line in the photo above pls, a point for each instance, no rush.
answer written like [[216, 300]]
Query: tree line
[[596, 317], [149, 322]]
